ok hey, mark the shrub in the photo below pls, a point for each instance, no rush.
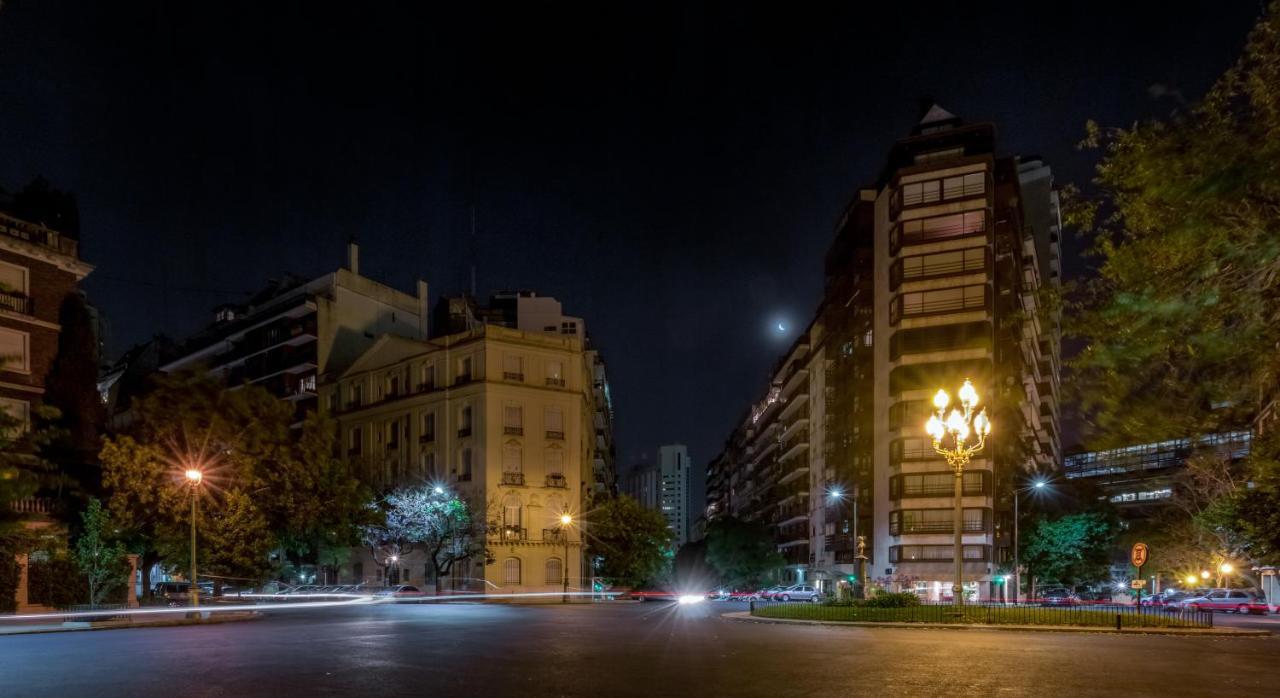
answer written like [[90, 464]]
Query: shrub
[[900, 599], [56, 582], [9, 573]]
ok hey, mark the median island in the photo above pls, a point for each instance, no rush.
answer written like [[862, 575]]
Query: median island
[[906, 608]]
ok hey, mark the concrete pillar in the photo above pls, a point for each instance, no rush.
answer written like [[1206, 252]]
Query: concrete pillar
[[131, 600]]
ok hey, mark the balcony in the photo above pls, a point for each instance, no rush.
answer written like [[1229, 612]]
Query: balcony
[[464, 432], [937, 553], [929, 521], [553, 535], [943, 301], [555, 382], [513, 376], [513, 431], [556, 435], [461, 379], [513, 479], [557, 481], [911, 528], [513, 533], [33, 505], [15, 303], [427, 438], [37, 235]]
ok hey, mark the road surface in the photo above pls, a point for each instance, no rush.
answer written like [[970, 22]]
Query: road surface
[[622, 649]]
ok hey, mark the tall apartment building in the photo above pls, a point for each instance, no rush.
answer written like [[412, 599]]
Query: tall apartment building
[[505, 417], [39, 268], [673, 480], [294, 331], [931, 279], [643, 484]]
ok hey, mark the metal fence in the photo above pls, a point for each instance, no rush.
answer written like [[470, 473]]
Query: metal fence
[[1115, 616]]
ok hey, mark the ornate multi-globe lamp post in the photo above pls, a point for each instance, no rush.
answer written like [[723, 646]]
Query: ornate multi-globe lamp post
[[957, 437]]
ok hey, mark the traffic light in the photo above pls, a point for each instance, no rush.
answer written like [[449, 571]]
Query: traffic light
[[851, 579]]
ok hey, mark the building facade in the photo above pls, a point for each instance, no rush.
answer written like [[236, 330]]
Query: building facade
[[673, 480], [932, 279], [643, 484], [504, 418], [295, 330], [39, 268]]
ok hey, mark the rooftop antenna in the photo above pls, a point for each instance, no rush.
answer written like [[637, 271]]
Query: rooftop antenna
[[473, 250]]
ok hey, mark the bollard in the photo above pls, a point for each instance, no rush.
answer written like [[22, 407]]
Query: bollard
[[1117, 621], [751, 606]]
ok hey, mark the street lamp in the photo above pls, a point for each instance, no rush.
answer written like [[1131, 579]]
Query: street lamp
[[565, 522], [957, 437], [1191, 581], [194, 477], [1224, 569], [1017, 565]]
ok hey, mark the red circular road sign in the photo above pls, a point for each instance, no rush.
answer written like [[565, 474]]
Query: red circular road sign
[[1138, 556]]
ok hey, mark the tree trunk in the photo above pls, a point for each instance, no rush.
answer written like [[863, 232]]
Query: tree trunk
[[149, 559]]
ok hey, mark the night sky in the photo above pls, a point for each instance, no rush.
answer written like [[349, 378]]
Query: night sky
[[671, 173]]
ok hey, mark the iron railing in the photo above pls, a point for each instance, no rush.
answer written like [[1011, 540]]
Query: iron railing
[[1093, 615]]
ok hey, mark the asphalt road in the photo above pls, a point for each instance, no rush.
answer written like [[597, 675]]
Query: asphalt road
[[630, 649]]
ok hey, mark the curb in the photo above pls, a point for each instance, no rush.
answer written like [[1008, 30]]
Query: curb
[[746, 617], [211, 620]]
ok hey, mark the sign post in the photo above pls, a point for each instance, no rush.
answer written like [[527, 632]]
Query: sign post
[[1138, 556]]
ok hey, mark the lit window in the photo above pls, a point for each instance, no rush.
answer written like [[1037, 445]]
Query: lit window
[[15, 350]]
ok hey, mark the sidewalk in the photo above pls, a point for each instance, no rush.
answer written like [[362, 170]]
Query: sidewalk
[[54, 624], [746, 617]]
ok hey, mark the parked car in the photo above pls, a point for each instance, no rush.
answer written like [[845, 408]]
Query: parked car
[[799, 592], [401, 591], [767, 594], [172, 593], [1059, 597], [1227, 601]]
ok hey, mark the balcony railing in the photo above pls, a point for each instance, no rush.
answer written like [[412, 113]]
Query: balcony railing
[[937, 553], [553, 535], [556, 382], [33, 505], [557, 481], [37, 234], [900, 528], [512, 376], [513, 533], [464, 432], [15, 303], [427, 438], [513, 479], [513, 431], [553, 434]]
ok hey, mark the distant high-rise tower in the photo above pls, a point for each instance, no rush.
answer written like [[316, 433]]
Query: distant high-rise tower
[[673, 471]]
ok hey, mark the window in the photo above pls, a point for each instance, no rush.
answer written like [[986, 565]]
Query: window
[[512, 367], [914, 521], [428, 379], [554, 419], [13, 289], [464, 421], [935, 190], [937, 484], [511, 512], [427, 465], [555, 571], [355, 441], [513, 420], [512, 457], [555, 373], [911, 415], [554, 461], [942, 300], [464, 369], [464, 465], [928, 266], [391, 385], [918, 230], [15, 351], [19, 410], [333, 402], [393, 434], [356, 395], [428, 427], [511, 571], [568, 328]]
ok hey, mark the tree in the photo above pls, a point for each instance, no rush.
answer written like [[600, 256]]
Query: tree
[[236, 541], [238, 438], [102, 562], [632, 544], [441, 524], [1072, 550], [742, 552], [1182, 322], [690, 569]]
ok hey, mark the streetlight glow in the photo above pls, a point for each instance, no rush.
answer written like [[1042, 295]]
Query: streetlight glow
[[1191, 580], [1204, 574], [565, 519], [194, 476], [438, 490], [964, 422], [1039, 484], [1226, 568], [836, 493]]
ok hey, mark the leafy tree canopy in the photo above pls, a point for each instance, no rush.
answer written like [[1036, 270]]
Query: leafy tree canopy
[[1072, 550], [743, 552], [631, 543], [1182, 322]]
